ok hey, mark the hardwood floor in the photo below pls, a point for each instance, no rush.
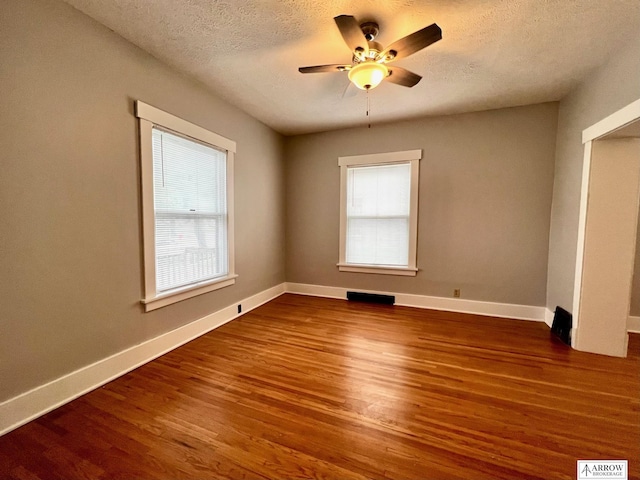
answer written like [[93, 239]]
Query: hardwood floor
[[304, 387]]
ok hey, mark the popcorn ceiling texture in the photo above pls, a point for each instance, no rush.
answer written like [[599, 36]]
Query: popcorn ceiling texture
[[494, 53]]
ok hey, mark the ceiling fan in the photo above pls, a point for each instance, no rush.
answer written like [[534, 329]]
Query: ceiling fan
[[370, 62]]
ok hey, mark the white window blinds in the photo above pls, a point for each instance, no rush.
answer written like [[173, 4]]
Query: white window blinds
[[190, 211], [378, 209]]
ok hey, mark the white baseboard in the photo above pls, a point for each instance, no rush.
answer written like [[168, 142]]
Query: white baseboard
[[504, 310], [548, 317], [633, 324], [25, 407]]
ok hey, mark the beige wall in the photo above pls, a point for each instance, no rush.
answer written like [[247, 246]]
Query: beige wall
[[70, 243], [485, 197], [606, 90], [635, 289]]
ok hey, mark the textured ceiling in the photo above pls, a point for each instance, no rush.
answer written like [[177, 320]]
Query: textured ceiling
[[494, 53]]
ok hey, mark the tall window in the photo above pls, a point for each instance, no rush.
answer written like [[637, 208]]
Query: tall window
[[187, 208], [189, 186], [378, 219]]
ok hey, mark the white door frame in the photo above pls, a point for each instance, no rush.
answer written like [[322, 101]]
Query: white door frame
[[604, 127]]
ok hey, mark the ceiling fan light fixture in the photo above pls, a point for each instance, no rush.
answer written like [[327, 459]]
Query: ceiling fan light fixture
[[368, 75]]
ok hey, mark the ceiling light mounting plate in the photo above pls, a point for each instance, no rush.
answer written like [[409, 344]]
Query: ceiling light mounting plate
[[370, 30]]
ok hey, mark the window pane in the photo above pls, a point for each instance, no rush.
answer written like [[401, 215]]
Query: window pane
[[190, 211], [188, 176], [379, 191], [378, 241], [378, 204]]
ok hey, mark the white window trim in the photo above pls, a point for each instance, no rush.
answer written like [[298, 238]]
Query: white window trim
[[412, 156], [149, 117]]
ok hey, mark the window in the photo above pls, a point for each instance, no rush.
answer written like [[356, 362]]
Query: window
[[187, 208], [378, 213]]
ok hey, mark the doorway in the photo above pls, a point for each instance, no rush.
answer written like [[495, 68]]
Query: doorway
[[607, 233]]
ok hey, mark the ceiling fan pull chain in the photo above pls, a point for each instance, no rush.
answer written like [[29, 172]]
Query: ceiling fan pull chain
[[368, 109]]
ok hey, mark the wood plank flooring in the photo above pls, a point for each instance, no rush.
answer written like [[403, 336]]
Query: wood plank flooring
[[314, 388]]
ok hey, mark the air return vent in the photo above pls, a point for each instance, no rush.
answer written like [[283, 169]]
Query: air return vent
[[562, 323], [371, 298]]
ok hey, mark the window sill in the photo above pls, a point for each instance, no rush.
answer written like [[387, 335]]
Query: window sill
[[172, 296], [377, 269]]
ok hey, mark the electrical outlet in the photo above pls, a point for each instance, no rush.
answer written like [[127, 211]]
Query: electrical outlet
[[456, 293], [239, 308]]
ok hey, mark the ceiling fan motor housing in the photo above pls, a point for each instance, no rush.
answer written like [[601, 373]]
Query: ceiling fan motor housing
[[359, 54]]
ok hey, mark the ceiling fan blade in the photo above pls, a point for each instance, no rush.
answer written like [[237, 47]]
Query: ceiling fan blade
[[352, 34], [403, 77], [324, 68], [412, 43]]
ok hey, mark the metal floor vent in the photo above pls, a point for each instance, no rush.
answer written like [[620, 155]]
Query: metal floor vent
[[371, 298]]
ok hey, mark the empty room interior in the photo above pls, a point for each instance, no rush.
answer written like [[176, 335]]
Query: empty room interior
[[292, 239]]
